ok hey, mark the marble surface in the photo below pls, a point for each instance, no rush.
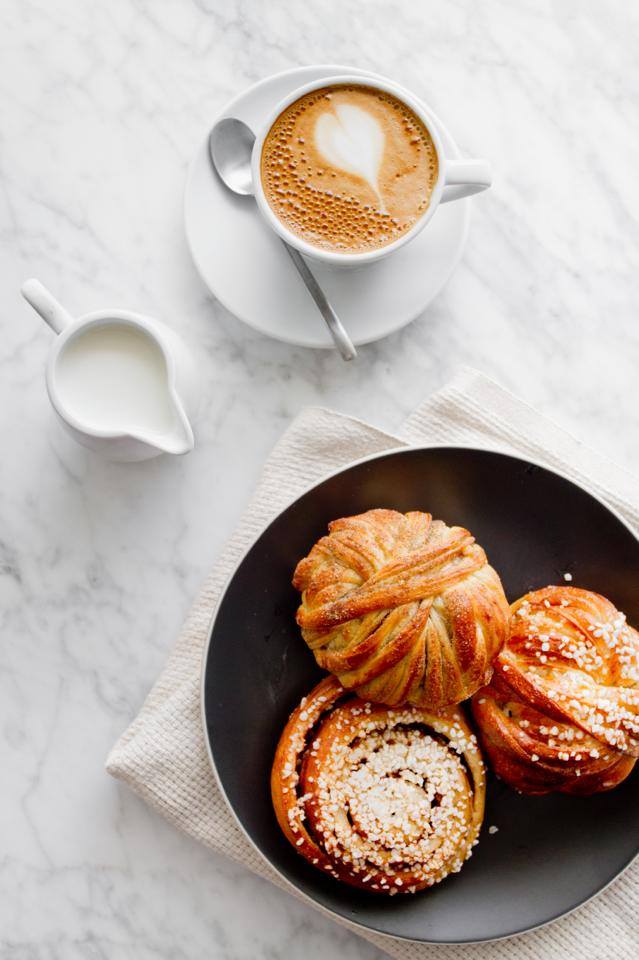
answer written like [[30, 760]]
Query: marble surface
[[101, 107]]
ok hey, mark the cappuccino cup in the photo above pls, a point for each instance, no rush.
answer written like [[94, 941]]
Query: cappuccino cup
[[348, 169]]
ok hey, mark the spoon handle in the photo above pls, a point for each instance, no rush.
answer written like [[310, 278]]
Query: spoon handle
[[340, 337]]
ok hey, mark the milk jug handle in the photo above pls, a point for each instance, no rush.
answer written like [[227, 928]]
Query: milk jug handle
[[46, 305]]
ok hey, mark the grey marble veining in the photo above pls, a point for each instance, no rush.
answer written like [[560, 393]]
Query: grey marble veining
[[101, 108]]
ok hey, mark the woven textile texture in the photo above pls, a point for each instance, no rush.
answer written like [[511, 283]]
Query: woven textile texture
[[162, 755]]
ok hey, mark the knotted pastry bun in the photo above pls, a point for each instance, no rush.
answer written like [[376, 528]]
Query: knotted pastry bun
[[402, 608], [389, 800], [562, 710]]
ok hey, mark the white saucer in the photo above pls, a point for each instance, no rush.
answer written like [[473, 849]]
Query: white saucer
[[245, 266]]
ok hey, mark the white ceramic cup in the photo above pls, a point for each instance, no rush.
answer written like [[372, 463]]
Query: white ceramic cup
[[455, 178]]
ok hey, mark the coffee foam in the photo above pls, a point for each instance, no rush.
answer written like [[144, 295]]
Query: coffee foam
[[348, 168], [352, 139]]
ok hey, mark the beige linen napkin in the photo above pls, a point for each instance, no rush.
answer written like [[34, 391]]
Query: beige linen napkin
[[162, 754]]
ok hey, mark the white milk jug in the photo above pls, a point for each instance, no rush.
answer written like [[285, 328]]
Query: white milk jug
[[122, 384]]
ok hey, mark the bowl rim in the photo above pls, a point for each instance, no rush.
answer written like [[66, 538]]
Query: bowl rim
[[290, 886]]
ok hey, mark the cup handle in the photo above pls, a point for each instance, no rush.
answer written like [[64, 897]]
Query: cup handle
[[464, 178], [46, 305]]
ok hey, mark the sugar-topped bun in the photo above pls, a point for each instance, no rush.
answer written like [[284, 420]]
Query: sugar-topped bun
[[402, 608], [389, 800], [562, 710]]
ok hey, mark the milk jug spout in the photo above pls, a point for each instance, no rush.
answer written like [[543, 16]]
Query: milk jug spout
[[180, 440]]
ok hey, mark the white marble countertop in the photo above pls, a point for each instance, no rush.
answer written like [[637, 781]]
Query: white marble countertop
[[101, 107]]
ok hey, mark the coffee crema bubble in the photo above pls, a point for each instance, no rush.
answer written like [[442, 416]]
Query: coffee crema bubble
[[348, 168]]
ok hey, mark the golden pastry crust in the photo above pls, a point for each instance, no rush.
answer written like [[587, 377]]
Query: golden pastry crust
[[562, 710], [402, 608], [389, 800]]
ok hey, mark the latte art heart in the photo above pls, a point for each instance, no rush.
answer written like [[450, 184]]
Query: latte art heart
[[348, 168], [351, 139]]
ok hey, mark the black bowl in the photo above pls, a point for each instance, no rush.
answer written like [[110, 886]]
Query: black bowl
[[550, 854]]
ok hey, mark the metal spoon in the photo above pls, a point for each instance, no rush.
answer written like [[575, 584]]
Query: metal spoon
[[230, 146]]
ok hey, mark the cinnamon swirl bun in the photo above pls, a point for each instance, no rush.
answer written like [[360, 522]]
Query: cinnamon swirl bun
[[562, 710], [402, 608], [389, 800]]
